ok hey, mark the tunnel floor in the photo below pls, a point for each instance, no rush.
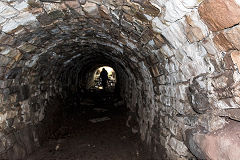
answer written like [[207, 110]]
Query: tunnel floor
[[79, 138]]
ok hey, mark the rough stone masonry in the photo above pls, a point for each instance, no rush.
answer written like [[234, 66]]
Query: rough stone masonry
[[179, 62]]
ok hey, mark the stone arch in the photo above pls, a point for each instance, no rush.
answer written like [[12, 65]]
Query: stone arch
[[179, 58]]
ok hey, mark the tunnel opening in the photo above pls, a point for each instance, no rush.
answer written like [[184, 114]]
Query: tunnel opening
[[60, 104], [101, 118], [96, 82]]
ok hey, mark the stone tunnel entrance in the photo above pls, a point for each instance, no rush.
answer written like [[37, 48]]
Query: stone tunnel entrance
[[94, 124], [177, 75]]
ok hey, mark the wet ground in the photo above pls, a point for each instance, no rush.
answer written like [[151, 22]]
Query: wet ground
[[84, 136]]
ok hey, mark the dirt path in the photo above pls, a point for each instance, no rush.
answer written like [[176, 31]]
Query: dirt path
[[80, 139]]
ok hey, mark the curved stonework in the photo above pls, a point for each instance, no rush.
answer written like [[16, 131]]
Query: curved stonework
[[177, 62]]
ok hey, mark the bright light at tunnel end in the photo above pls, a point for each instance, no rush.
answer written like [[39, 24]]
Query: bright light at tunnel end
[[107, 68]]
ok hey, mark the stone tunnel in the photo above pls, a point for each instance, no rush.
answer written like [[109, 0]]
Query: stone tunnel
[[177, 64]]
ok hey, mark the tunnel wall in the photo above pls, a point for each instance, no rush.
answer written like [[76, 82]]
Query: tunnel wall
[[182, 55]]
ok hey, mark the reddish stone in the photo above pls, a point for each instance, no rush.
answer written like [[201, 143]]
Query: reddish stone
[[222, 43], [219, 14], [150, 9], [159, 40], [229, 65], [72, 4], [223, 144], [104, 12], [155, 71], [233, 113], [233, 36], [194, 33]]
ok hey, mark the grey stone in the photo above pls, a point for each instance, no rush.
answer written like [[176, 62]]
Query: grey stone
[[44, 19], [3, 84], [198, 97], [6, 93], [191, 143], [82, 1], [51, 1], [23, 93], [4, 60], [26, 137], [10, 122], [13, 73], [17, 152]]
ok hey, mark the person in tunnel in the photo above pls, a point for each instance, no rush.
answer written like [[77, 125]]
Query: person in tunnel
[[104, 78]]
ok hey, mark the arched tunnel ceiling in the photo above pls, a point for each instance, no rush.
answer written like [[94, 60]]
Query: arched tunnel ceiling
[[180, 60]]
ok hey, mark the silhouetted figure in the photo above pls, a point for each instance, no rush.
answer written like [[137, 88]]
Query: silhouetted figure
[[104, 78]]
